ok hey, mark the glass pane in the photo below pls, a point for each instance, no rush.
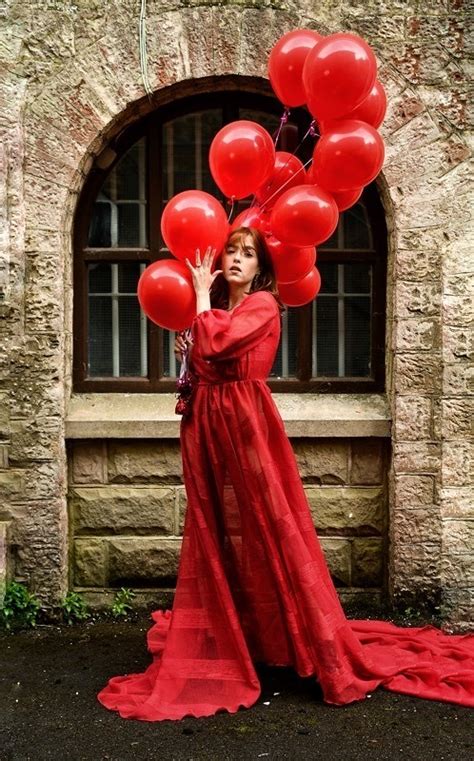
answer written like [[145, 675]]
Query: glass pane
[[326, 336], [100, 336], [129, 335], [170, 365], [129, 275], [333, 241], [270, 122], [119, 215], [356, 228], [357, 277], [357, 335], [185, 152], [285, 364], [328, 272], [100, 278]]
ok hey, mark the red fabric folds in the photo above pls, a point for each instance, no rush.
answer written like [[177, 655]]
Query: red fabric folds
[[253, 585]]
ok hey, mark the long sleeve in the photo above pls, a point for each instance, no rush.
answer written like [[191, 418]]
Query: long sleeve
[[220, 335]]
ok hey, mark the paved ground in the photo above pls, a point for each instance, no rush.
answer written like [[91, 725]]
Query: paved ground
[[49, 678]]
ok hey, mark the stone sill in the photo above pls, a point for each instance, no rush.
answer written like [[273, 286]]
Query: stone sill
[[151, 416]]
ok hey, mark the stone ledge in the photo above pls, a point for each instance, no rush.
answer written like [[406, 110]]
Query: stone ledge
[[152, 416]]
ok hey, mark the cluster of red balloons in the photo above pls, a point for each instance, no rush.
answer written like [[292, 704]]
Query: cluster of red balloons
[[335, 76]]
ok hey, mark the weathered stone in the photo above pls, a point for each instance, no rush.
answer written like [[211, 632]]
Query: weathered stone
[[367, 461], [323, 461], [458, 570], [458, 463], [337, 553], [367, 562], [456, 501], [420, 373], [412, 418], [143, 462], [123, 509], [349, 509], [413, 491], [458, 418], [143, 561], [89, 462], [417, 457], [418, 526], [90, 563], [458, 537]]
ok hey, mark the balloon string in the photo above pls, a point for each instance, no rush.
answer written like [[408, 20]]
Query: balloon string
[[232, 202], [301, 169], [283, 121]]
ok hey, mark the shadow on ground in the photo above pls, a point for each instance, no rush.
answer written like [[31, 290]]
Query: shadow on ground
[[50, 676]]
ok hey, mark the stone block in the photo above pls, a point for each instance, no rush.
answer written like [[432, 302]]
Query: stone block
[[412, 491], [35, 440], [143, 561], [416, 457], [458, 343], [457, 309], [456, 501], [418, 373], [419, 300], [457, 418], [3, 456], [12, 483], [89, 564], [367, 461], [123, 510], [412, 418], [458, 570], [367, 562], [458, 463], [417, 334], [89, 462], [458, 379], [338, 557], [347, 510], [458, 536], [144, 462], [415, 565], [324, 461], [419, 526], [182, 504]]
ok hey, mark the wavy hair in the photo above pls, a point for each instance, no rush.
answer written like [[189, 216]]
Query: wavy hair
[[265, 280]]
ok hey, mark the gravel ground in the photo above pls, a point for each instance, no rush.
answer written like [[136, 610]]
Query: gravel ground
[[50, 676]]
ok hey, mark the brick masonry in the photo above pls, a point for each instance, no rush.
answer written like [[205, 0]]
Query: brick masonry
[[71, 81]]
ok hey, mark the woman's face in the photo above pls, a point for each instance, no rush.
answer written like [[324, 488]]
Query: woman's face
[[239, 260]]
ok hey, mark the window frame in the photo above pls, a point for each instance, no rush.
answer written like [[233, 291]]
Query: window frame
[[150, 127]]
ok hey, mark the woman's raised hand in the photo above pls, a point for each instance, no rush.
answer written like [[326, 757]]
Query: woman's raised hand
[[201, 273], [180, 345]]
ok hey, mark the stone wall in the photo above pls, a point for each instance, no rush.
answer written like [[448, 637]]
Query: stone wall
[[71, 79], [127, 505]]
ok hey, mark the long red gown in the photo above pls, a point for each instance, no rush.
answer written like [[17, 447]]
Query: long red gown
[[253, 585]]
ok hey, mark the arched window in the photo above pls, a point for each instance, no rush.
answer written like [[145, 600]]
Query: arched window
[[334, 344]]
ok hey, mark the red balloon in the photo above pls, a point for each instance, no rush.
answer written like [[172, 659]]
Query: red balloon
[[302, 291], [304, 216], [285, 65], [372, 109], [338, 74], [348, 156], [290, 263], [347, 198], [252, 217], [166, 294], [241, 158], [193, 219], [287, 173]]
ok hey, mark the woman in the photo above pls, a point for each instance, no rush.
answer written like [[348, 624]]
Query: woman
[[253, 585]]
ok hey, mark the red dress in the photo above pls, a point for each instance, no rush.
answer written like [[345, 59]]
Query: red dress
[[253, 585]]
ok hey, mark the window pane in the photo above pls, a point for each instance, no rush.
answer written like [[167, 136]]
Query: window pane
[[171, 366], [117, 326], [270, 122], [100, 335], [129, 335], [119, 214], [326, 360], [285, 364], [357, 277], [328, 272], [356, 228], [357, 335]]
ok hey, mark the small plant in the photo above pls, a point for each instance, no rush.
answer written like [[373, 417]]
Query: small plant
[[122, 600], [20, 608], [74, 608]]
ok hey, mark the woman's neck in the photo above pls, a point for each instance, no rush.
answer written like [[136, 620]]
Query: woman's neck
[[235, 298]]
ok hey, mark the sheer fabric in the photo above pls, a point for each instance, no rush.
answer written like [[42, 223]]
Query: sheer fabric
[[253, 585]]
